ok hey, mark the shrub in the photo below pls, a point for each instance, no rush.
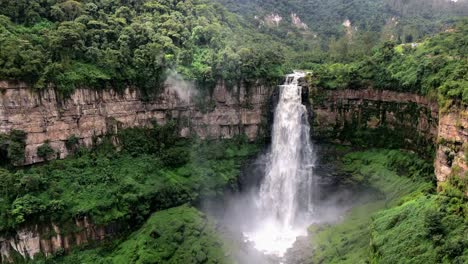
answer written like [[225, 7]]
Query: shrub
[[175, 157], [45, 151], [72, 143]]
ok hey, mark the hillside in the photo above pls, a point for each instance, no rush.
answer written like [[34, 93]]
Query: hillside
[[100, 44], [103, 44], [400, 20], [435, 67]]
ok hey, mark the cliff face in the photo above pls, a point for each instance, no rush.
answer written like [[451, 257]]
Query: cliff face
[[372, 116], [89, 114], [28, 242], [336, 115], [452, 152]]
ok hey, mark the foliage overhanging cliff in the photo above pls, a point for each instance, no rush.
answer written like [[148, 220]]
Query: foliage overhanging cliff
[[436, 67], [102, 44]]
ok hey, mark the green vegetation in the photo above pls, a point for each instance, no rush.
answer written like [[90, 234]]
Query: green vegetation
[[436, 67], [177, 235], [12, 148], [425, 229], [100, 44], [45, 151], [406, 222], [415, 46], [372, 21], [373, 124], [149, 174]]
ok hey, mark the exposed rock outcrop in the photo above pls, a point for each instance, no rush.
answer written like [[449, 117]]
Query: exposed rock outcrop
[[452, 152], [30, 241], [412, 117], [89, 114]]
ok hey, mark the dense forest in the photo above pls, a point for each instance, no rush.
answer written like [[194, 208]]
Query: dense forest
[[109, 44], [103, 44], [150, 186], [435, 67], [399, 20]]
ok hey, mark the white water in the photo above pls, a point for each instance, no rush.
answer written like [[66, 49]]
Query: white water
[[285, 198]]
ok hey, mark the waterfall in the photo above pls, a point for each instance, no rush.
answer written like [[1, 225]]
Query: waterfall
[[285, 196]]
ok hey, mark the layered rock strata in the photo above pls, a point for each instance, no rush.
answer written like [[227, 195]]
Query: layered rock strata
[[452, 151], [412, 117], [89, 114]]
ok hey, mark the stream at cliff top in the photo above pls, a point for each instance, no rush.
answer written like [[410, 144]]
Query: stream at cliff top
[[284, 202]]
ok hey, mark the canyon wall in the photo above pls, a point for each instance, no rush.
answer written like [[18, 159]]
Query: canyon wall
[[375, 117], [88, 114], [385, 118], [344, 116]]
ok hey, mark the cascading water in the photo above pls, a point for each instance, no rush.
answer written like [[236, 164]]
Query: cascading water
[[285, 197]]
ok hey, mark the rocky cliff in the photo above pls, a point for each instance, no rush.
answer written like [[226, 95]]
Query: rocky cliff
[[452, 151], [88, 114], [375, 117], [346, 116], [382, 118], [47, 240]]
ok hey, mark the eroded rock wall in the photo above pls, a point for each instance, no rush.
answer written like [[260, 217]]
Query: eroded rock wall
[[89, 114], [340, 114], [415, 119], [452, 151], [32, 240]]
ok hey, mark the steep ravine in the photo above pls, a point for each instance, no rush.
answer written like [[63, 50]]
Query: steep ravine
[[90, 114]]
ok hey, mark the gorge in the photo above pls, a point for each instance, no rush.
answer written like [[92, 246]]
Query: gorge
[[88, 114], [235, 111], [233, 132]]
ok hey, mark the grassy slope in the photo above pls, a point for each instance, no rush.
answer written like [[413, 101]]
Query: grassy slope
[[424, 229], [406, 224], [348, 241], [177, 235]]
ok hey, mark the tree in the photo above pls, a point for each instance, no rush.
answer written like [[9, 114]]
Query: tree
[[68, 40]]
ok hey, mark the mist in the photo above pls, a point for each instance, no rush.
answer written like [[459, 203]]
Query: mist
[[185, 90], [238, 213], [283, 191]]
